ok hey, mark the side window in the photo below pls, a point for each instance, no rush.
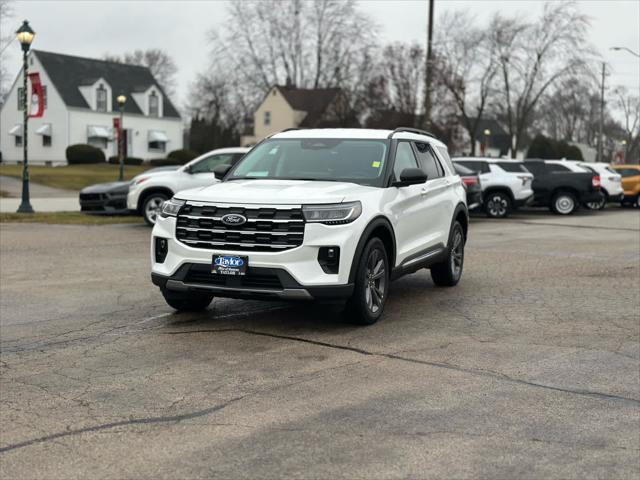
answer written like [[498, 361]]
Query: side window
[[512, 167], [555, 167], [444, 153], [429, 162], [537, 168], [480, 167], [208, 164], [404, 159]]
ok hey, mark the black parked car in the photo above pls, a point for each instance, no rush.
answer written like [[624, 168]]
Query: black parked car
[[471, 181], [562, 186], [110, 198]]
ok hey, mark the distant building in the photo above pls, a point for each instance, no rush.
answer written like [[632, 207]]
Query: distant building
[[80, 104], [496, 144], [290, 107]]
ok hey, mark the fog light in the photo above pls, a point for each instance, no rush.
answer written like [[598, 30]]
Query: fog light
[[329, 259], [161, 249]]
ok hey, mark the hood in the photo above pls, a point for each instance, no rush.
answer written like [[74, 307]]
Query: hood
[[111, 187], [276, 192], [155, 173]]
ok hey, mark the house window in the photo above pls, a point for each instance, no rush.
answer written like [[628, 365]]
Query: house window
[[46, 140], [101, 99], [267, 118], [153, 105], [20, 98], [98, 142], [157, 146], [18, 140]]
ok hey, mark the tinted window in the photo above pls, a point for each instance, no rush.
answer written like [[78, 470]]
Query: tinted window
[[537, 168], [475, 166], [404, 159], [428, 161], [207, 165], [555, 167], [462, 171], [332, 159], [512, 167], [628, 172]]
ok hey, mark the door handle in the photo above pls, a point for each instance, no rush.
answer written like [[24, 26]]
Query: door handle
[[424, 191]]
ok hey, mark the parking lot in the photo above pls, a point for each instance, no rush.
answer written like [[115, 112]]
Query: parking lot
[[528, 368]]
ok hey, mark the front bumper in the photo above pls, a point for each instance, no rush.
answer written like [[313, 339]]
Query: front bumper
[[103, 204], [257, 284]]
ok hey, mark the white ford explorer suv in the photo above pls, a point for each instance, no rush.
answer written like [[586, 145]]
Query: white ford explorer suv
[[320, 214], [148, 191], [506, 184]]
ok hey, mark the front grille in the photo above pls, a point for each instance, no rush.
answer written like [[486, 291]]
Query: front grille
[[267, 281], [91, 196], [266, 229]]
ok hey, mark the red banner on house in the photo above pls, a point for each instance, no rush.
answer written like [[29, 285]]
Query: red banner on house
[[37, 96]]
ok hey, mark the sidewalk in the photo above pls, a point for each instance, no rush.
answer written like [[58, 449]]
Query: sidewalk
[[43, 198]]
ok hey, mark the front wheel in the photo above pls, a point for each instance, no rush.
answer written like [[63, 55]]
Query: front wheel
[[187, 301], [563, 203], [371, 285], [449, 272], [597, 205], [152, 206], [497, 205]]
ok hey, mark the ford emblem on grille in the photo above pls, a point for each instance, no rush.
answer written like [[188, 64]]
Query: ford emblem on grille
[[233, 219]]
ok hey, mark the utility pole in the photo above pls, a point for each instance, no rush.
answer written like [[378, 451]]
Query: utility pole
[[428, 70], [601, 123]]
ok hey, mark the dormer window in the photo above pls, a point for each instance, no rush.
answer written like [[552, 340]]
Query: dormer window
[[101, 99], [153, 105]]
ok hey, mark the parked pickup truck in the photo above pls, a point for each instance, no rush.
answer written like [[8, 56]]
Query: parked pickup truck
[[562, 186]]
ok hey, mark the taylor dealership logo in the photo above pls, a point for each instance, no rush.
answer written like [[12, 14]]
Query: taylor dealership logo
[[233, 219]]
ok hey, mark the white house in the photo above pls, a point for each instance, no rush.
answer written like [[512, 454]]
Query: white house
[[80, 105]]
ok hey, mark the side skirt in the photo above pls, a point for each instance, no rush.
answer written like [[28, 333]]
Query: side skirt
[[420, 260]]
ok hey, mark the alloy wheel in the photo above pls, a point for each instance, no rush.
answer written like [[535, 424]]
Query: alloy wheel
[[152, 208], [497, 206], [457, 254], [565, 204], [375, 280]]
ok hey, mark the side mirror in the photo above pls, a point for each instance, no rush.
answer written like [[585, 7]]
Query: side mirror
[[221, 170], [187, 170], [411, 176]]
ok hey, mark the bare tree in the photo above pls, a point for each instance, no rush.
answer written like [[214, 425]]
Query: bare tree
[[6, 37], [532, 57], [466, 66], [402, 66], [629, 105], [158, 61]]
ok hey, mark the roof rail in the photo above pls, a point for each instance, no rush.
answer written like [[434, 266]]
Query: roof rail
[[412, 130]]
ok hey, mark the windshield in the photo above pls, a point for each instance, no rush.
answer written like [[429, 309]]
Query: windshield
[[338, 160]]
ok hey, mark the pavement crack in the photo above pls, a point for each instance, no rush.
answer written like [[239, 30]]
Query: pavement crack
[[132, 421], [393, 356]]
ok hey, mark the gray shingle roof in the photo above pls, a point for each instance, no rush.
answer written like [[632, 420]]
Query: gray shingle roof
[[313, 101], [68, 72]]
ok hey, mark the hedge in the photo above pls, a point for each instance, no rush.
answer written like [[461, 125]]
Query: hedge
[[82, 153], [114, 160], [182, 156]]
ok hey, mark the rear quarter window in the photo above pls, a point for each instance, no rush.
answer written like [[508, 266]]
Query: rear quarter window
[[512, 167], [475, 166]]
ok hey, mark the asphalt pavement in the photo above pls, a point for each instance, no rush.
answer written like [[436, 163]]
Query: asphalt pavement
[[529, 368]]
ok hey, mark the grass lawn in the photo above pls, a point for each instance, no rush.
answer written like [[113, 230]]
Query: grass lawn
[[67, 218], [72, 177]]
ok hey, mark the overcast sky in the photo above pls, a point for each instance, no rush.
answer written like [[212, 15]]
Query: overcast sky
[[92, 28]]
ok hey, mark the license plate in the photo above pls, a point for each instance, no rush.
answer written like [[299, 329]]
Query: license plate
[[229, 265]]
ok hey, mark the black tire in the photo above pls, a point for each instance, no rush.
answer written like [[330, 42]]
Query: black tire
[[187, 301], [151, 207], [497, 205], [366, 305], [564, 203], [448, 272]]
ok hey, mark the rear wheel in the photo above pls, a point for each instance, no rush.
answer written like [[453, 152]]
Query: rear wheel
[[497, 204], [371, 285], [151, 207], [187, 301], [449, 272], [563, 203]]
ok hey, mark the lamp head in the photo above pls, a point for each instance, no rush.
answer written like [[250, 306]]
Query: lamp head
[[25, 35], [487, 132], [121, 100]]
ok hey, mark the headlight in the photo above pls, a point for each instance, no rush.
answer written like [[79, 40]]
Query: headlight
[[170, 208], [334, 214], [138, 181]]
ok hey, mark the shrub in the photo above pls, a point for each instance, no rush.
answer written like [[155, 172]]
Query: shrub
[[82, 153], [114, 160], [182, 156], [162, 162]]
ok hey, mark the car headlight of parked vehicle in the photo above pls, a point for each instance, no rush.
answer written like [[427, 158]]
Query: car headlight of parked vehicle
[[332, 214], [170, 208]]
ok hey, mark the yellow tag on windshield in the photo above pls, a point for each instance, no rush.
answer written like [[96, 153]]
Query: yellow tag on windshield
[[375, 164]]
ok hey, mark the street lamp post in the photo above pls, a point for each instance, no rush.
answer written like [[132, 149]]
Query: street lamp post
[[627, 49], [121, 101], [487, 133], [25, 36]]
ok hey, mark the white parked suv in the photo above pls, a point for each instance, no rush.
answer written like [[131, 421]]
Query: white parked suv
[[610, 184], [506, 184], [320, 214], [148, 191]]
